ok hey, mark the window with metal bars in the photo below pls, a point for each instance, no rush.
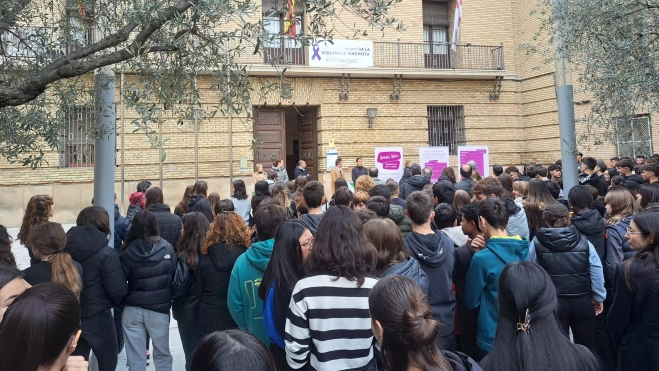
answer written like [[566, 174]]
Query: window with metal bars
[[446, 127], [633, 137], [77, 147]]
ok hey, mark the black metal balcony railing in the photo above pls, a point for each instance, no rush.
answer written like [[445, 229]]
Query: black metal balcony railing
[[287, 51]]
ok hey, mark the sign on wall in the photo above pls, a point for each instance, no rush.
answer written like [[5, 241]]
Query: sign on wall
[[342, 53], [436, 158], [332, 155], [478, 154], [389, 162]]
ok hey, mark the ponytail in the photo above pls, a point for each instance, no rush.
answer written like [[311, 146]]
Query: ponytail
[[49, 240], [65, 272]]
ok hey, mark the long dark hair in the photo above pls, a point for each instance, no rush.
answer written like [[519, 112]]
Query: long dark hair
[[261, 188], [195, 227], [408, 328], [38, 327], [153, 196], [239, 189], [388, 241], [232, 350], [527, 296], [538, 192], [182, 206], [286, 266], [340, 246], [200, 188], [6, 256], [95, 217], [143, 227], [649, 194], [639, 272]]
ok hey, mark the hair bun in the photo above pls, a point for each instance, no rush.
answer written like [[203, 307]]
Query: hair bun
[[418, 329]]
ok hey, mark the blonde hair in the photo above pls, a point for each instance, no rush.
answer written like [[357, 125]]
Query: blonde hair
[[622, 204], [360, 197], [49, 239], [522, 187], [364, 184]]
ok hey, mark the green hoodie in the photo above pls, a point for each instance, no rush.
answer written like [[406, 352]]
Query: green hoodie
[[243, 300]]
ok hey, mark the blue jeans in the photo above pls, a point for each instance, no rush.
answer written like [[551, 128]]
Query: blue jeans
[[137, 323]]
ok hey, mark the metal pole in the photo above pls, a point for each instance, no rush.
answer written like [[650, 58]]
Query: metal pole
[[230, 115], [123, 154], [160, 148], [196, 144], [564, 98], [105, 147]]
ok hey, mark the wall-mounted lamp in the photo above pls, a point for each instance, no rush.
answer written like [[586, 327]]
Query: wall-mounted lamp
[[371, 113]]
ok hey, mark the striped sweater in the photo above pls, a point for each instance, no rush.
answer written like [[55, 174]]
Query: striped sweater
[[329, 319]]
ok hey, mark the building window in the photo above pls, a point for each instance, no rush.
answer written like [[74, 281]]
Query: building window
[[77, 147], [634, 137], [446, 127], [435, 34], [27, 42], [282, 47]]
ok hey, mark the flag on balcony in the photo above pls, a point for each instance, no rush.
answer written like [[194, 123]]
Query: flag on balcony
[[456, 23], [290, 27]]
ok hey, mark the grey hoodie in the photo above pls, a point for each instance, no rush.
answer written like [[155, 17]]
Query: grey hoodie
[[311, 221], [436, 255], [517, 223]]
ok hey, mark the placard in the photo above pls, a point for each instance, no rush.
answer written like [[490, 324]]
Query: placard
[[389, 162], [436, 158], [341, 53], [331, 155], [478, 154]]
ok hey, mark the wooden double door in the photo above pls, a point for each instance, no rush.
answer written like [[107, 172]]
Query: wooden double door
[[270, 136]]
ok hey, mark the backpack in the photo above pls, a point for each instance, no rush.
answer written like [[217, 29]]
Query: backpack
[[134, 209], [269, 318]]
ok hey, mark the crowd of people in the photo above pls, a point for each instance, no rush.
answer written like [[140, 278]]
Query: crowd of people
[[499, 273]]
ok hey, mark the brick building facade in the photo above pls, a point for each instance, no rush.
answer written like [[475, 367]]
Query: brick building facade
[[519, 123]]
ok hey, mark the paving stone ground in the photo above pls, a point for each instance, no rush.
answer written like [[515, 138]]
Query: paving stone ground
[[175, 347]]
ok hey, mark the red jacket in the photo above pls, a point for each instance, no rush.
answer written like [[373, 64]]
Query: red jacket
[[135, 196]]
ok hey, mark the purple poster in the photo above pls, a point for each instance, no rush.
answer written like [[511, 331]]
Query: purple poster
[[389, 162], [478, 154], [435, 158]]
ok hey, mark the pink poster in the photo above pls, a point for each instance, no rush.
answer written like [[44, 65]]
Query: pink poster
[[435, 158], [389, 162], [479, 154]]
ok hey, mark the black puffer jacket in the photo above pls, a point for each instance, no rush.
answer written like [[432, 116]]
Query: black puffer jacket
[[211, 287], [595, 181], [186, 306], [564, 254], [169, 225], [633, 181], [200, 204], [590, 224], [149, 268], [413, 184], [103, 281]]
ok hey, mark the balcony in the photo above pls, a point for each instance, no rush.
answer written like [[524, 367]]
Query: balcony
[[422, 60]]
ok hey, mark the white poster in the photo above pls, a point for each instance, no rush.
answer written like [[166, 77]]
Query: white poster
[[332, 155], [478, 154], [389, 162], [436, 158], [342, 53]]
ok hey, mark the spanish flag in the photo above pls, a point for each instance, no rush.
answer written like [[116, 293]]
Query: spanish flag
[[290, 26]]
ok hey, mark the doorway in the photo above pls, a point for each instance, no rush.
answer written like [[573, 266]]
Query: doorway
[[288, 133]]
